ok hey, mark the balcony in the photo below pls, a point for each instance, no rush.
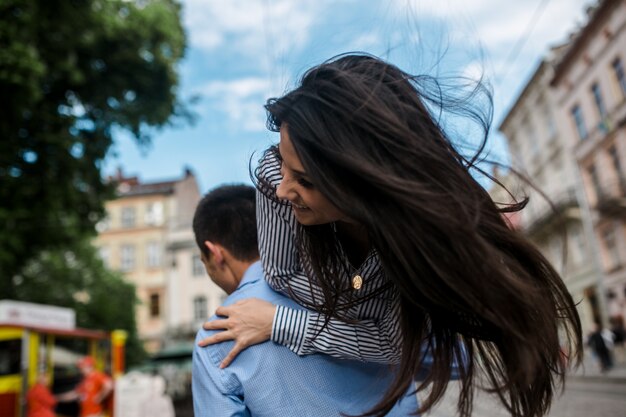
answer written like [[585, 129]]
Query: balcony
[[611, 198], [563, 207]]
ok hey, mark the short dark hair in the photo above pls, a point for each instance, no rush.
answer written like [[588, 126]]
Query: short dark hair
[[226, 215]]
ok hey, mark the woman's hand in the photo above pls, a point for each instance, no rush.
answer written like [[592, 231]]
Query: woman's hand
[[247, 322]]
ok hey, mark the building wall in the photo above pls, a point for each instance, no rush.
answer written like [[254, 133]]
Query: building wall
[[148, 276], [603, 140], [191, 285], [543, 154], [163, 245]]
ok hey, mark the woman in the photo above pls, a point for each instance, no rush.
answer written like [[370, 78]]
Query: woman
[[369, 216]]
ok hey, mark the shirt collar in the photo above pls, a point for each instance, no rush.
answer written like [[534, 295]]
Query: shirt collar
[[253, 274]]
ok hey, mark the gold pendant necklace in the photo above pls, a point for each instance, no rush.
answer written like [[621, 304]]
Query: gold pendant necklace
[[357, 282]]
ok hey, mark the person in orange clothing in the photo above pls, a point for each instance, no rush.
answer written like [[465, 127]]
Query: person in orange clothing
[[40, 400], [92, 391]]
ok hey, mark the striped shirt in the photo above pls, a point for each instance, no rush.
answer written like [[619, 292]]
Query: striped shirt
[[376, 335]]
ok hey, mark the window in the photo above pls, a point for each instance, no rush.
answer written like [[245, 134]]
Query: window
[[618, 70], [612, 251], [197, 266], [578, 245], [615, 160], [128, 257], [105, 255], [155, 305], [10, 357], [199, 308], [595, 180], [577, 114], [597, 97], [153, 250], [154, 214], [128, 217]]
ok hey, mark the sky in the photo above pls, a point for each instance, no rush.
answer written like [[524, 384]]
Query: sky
[[242, 52]]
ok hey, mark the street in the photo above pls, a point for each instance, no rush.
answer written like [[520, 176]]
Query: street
[[583, 397]]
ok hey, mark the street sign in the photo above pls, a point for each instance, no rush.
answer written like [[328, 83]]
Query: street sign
[[36, 315]]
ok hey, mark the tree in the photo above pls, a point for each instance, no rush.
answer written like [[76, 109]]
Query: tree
[[76, 278], [72, 73]]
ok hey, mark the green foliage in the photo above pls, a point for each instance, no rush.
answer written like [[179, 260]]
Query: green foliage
[[72, 73], [76, 278]]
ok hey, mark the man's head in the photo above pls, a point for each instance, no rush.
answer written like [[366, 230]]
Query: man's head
[[225, 229], [43, 378], [86, 365]]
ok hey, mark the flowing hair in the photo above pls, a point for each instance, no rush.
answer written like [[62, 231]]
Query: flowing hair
[[371, 139]]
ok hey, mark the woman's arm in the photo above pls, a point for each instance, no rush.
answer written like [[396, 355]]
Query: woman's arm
[[368, 340], [375, 338]]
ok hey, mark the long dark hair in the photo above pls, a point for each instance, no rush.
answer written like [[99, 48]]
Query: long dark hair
[[372, 140]]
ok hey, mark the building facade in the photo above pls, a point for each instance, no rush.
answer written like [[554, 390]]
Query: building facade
[[545, 171], [147, 236], [567, 134], [590, 85]]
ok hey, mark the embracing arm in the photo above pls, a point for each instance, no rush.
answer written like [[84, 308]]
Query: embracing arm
[[375, 337], [302, 331], [368, 340]]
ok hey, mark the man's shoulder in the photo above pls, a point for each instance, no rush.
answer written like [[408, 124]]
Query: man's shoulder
[[100, 376], [260, 289], [252, 289]]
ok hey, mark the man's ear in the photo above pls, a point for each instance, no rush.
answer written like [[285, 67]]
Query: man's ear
[[216, 251]]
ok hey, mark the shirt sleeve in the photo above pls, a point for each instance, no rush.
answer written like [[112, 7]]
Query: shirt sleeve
[[304, 332], [368, 340], [212, 394]]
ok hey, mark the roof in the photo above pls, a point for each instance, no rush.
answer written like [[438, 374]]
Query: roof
[[548, 61], [523, 94], [131, 186], [597, 15], [77, 332], [128, 189]]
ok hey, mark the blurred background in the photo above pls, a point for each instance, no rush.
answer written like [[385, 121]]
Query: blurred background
[[120, 114]]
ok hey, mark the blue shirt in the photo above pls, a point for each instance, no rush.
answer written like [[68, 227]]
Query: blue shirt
[[270, 380]]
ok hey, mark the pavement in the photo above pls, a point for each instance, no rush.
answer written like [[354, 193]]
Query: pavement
[[590, 370], [588, 393]]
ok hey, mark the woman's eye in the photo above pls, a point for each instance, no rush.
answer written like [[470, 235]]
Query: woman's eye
[[305, 183]]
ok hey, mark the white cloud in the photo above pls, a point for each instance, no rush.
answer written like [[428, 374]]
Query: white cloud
[[498, 23], [497, 26], [240, 100], [365, 41], [473, 71], [250, 27]]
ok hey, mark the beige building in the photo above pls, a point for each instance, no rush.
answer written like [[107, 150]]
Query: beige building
[[542, 153], [147, 236], [590, 85]]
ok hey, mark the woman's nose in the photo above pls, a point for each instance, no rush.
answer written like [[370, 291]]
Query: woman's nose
[[282, 191]]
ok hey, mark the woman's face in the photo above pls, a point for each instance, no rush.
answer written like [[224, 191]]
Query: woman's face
[[309, 205]]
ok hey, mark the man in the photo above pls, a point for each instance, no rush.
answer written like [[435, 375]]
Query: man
[[267, 379], [40, 400], [92, 390]]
